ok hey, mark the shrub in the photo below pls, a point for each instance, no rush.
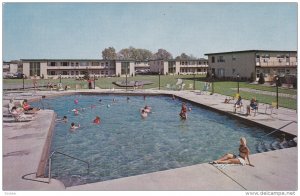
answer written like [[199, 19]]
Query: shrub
[[295, 83], [261, 79]]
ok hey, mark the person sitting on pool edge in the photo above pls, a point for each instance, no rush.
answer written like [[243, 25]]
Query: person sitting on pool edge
[[73, 126], [234, 159], [97, 120], [27, 107]]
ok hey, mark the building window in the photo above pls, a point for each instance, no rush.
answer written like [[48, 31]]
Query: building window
[[287, 71], [257, 73], [52, 73], [198, 70], [95, 63], [72, 63], [77, 64], [65, 64], [72, 73], [125, 68], [221, 59], [257, 56], [266, 71], [212, 59], [65, 73], [83, 63], [53, 64], [82, 72], [35, 69]]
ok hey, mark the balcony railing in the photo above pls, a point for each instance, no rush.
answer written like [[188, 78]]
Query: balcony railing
[[276, 63], [80, 67], [193, 65]]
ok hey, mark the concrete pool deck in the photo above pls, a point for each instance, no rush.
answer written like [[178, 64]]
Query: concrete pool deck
[[23, 145]]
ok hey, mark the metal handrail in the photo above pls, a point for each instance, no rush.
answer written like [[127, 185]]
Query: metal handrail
[[50, 162], [278, 129], [45, 103]]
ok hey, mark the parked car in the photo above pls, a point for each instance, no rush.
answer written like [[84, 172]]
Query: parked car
[[17, 76], [7, 75]]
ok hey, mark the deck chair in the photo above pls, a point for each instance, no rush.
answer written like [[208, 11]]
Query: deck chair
[[233, 98], [206, 88], [179, 82], [168, 87], [77, 86], [182, 86], [60, 87], [20, 117], [271, 107], [241, 107]]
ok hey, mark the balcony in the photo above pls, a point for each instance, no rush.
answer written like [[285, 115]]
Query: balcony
[[276, 64], [79, 67], [194, 66]]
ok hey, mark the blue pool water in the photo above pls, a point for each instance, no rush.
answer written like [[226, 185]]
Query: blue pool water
[[124, 144]]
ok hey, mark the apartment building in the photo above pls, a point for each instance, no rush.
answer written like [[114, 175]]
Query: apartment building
[[75, 68], [253, 62], [198, 66]]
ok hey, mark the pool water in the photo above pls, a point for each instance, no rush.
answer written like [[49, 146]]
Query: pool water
[[124, 144]]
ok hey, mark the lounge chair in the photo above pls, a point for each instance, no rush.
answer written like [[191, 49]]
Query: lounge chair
[[21, 117], [271, 107], [206, 88]]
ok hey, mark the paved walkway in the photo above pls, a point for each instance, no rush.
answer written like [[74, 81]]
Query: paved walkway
[[266, 92], [24, 145]]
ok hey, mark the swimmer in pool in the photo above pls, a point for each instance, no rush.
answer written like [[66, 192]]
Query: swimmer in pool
[[183, 112], [64, 119], [73, 126], [76, 112], [147, 109], [144, 114], [97, 120]]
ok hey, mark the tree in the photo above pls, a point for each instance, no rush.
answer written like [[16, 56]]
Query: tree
[[184, 56], [86, 75], [261, 79], [132, 53], [124, 54], [162, 54], [109, 53]]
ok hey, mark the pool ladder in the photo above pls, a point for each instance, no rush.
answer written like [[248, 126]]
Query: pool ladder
[[44, 105], [57, 152]]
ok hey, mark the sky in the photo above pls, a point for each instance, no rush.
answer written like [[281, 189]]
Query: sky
[[83, 30]]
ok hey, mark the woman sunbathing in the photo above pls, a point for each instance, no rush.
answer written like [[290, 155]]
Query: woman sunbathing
[[236, 159]]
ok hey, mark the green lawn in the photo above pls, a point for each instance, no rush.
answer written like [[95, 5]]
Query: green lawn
[[168, 82]]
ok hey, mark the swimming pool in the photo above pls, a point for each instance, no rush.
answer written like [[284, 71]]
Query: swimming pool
[[124, 144]]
